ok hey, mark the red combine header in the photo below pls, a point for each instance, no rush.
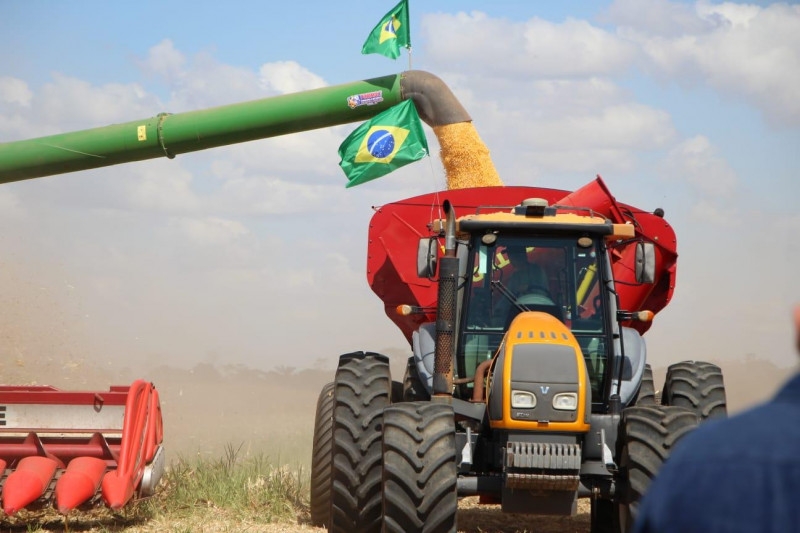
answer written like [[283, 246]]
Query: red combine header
[[79, 448]]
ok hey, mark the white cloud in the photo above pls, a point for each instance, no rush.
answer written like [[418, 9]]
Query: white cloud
[[210, 231], [202, 81], [740, 50], [627, 126], [533, 48], [67, 103], [153, 189], [198, 82], [306, 157], [268, 195], [727, 13], [706, 211], [164, 60], [561, 125], [15, 91], [282, 77], [206, 82], [556, 95], [696, 162], [14, 126], [545, 102], [604, 140], [656, 17]]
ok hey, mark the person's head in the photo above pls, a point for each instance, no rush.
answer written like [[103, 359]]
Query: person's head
[[517, 255]]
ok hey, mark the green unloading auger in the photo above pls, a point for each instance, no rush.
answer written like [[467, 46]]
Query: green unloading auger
[[168, 135]]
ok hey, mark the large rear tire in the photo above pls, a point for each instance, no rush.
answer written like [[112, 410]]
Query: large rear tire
[[419, 468], [647, 435], [697, 386], [362, 392], [321, 458]]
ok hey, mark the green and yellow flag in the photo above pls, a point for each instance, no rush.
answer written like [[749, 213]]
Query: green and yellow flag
[[389, 141], [390, 34]]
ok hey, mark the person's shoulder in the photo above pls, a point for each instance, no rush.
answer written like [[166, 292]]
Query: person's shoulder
[[790, 391]]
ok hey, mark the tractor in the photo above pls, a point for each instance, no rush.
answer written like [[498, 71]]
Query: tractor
[[528, 383]]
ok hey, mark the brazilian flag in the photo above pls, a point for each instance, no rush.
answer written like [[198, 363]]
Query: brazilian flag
[[389, 141], [390, 34]]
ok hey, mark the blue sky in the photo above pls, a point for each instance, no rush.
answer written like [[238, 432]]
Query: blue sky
[[255, 254]]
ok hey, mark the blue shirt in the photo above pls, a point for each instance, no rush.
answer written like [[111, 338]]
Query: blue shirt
[[740, 474]]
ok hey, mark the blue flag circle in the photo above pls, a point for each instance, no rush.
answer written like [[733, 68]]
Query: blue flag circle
[[380, 143]]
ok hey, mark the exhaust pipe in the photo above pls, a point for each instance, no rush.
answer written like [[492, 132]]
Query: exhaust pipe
[[446, 311]]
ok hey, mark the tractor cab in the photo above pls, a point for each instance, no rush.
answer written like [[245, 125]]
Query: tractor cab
[[554, 260]]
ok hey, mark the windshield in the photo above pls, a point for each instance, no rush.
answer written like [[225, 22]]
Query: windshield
[[524, 273]]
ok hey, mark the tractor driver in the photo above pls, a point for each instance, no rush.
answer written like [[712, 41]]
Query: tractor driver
[[526, 288], [526, 278]]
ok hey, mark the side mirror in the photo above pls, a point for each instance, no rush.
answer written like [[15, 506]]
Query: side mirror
[[427, 255], [645, 262]]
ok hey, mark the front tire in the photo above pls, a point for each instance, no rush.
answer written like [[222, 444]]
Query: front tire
[[321, 458], [647, 436], [419, 468], [362, 392]]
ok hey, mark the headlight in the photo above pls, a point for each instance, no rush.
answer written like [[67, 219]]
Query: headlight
[[565, 401], [522, 399]]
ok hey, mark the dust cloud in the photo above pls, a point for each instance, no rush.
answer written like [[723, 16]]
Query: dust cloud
[[208, 408]]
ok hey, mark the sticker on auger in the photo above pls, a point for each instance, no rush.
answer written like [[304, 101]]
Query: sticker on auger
[[371, 98]]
